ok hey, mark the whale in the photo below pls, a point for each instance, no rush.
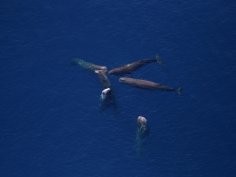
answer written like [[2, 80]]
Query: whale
[[146, 84], [142, 127], [103, 78], [133, 66], [142, 133], [107, 97], [88, 65]]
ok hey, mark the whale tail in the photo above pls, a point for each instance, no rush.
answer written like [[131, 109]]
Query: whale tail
[[179, 90], [75, 61], [158, 59], [84, 64], [78, 61]]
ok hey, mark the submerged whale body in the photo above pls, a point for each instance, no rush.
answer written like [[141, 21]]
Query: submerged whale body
[[87, 65], [103, 78]]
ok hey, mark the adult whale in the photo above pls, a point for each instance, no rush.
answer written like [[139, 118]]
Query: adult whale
[[128, 68], [145, 84]]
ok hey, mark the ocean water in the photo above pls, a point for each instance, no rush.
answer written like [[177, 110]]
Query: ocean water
[[50, 120]]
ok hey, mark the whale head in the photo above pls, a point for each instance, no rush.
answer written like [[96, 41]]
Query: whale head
[[121, 79], [105, 93], [141, 120]]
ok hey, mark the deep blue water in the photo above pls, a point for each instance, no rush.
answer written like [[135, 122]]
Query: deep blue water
[[50, 121]]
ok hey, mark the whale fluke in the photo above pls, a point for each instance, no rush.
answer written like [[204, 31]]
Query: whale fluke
[[179, 90], [158, 59]]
